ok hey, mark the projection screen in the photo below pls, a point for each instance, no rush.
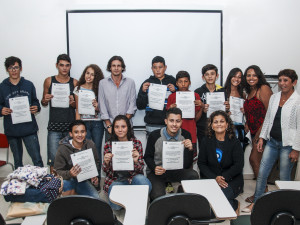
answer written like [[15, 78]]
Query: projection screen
[[187, 40]]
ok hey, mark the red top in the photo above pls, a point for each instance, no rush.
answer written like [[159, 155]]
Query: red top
[[255, 114], [187, 124]]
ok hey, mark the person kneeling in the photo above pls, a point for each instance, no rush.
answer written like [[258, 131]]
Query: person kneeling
[[123, 132], [221, 157], [63, 165]]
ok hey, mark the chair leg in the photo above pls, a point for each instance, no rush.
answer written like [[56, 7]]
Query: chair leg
[[7, 162]]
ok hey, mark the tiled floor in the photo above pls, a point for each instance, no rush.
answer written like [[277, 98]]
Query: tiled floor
[[248, 191]]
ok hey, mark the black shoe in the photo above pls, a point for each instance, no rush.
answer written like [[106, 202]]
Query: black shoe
[[180, 189]]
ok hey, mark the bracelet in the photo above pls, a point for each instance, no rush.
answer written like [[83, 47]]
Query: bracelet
[[109, 126]]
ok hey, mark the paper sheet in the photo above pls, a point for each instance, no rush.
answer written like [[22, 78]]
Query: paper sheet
[[21, 110]]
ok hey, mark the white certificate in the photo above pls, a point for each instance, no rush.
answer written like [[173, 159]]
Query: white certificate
[[122, 159], [85, 102], [157, 96], [235, 108], [185, 102], [172, 156], [85, 159], [20, 110], [216, 102], [60, 94]]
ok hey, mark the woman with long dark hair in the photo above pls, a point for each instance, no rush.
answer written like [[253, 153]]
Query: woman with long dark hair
[[122, 131], [89, 81], [256, 104], [234, 88]]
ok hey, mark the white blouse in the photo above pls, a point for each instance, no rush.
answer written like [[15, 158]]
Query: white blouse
[[290, 120]]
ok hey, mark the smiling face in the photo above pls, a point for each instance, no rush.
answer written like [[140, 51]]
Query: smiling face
[[116, 68], [285, 84], [89, 75], [14, 71], [251, 78], [236, 79], [219, 125], [173, 123], [121, 130], [159, 70], [78, 134]]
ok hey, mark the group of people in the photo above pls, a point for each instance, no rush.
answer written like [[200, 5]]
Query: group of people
[[272, 120]]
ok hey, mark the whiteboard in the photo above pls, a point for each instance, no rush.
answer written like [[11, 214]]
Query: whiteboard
[[187, 39]]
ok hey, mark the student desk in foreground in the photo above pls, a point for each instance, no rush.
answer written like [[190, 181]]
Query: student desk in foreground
[[288, 184], [35, 220], [134, 199], [211, 190]]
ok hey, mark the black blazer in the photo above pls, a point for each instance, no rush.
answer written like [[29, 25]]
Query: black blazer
[[231, 165]]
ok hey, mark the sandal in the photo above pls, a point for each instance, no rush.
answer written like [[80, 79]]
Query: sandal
[[250, 199]]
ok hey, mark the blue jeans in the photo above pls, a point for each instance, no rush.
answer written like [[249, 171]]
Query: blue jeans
[[95, 131], [31, 195], [81, 188], [52, 144], [33, 148], [272, 152], [138, 179]]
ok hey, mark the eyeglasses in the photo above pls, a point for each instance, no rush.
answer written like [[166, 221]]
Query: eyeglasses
[[11, 68]]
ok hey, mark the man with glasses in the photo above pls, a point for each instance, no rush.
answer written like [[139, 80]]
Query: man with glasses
[[60, 118], [10, 89]]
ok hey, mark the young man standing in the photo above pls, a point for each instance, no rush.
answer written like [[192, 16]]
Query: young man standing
[[59, 118], [116, 95], [153, 155], [154, 119], [12, 87], [75, 142], [209, 75]]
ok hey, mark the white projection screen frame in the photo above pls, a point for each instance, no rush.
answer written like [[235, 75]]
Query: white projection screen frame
[[187, 39]]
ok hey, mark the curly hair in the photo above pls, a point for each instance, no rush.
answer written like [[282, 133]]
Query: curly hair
[[230, 128], [130, 133], [98, 75]]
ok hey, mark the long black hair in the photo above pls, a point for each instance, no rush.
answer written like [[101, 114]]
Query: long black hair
[[261, 78], [130, 133], [232, 74]]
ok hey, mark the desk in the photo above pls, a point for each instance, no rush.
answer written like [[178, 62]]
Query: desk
[[211, 190], [288, 184], [34, 220], [134, 199]]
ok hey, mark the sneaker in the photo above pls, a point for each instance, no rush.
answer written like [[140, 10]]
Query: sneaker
[[169, 188]]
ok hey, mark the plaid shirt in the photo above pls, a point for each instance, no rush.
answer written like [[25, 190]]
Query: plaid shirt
[[138, 167]]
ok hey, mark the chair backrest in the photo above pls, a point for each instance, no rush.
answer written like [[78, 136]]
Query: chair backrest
[[280, 207], [178, 209], [78, 209], [3, 141]]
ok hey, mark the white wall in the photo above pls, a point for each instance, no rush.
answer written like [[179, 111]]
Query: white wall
[[265, 33]]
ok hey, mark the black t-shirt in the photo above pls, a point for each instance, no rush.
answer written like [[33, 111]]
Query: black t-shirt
[[276, 128]]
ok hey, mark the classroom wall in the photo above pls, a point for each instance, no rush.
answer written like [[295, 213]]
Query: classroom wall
[[265, 33]]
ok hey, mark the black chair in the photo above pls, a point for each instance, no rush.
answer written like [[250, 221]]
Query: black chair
[[280, 207], [180, 209], [80, 210], [2, 221]]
